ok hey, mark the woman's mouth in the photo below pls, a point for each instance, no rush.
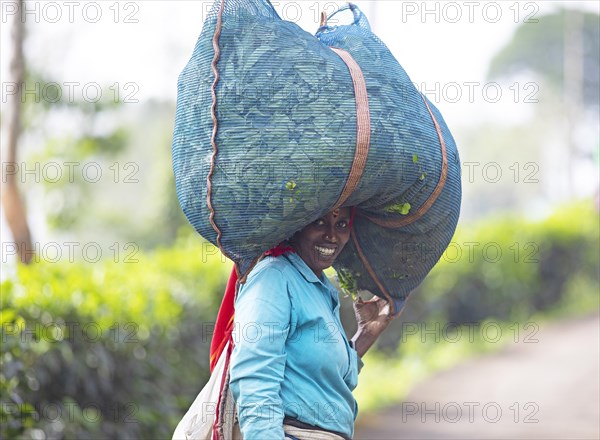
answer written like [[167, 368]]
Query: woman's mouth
[[325, 251]]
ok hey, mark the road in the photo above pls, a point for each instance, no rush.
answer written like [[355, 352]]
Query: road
[[549, 389]]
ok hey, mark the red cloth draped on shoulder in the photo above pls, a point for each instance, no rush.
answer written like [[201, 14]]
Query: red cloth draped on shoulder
[[224, 323]]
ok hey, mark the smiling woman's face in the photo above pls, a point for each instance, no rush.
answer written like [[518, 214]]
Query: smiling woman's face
[[319, 243]]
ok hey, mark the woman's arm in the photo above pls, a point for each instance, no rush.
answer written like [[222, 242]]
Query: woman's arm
[[262, 320], [372, 318]]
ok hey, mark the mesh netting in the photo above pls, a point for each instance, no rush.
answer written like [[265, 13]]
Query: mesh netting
[[286, 139]]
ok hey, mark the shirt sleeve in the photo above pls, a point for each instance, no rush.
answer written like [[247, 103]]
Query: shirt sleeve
[[262, 319], [359, 362]]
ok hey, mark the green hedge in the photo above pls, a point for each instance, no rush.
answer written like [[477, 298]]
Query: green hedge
[[120, 350], [509, 269], [107, 350]]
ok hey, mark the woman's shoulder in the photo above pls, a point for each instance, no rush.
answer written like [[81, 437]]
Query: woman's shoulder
[[270, 275], [270, 267]]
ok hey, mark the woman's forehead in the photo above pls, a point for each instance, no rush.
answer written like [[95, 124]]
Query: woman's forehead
[[344, 212]]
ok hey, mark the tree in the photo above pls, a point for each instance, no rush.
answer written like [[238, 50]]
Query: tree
[[550, 47], [563, 51], [12, 202]]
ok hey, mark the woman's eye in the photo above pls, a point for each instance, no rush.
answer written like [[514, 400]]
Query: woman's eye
[[343, 224], [320, 222]]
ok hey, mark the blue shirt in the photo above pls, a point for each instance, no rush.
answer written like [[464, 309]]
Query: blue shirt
[[291, 356]]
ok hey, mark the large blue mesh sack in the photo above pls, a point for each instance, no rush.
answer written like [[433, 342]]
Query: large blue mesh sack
[[267, 140]]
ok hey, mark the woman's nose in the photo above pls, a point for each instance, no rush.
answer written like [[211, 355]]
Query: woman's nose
[[330, 235]]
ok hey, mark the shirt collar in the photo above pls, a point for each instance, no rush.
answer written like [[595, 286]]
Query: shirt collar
[[303, 268], [311, 277]]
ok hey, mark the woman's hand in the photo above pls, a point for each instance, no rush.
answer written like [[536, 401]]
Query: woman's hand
[[372, 318]]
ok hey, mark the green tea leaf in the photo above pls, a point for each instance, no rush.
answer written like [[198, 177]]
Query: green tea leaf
[[399, 208]]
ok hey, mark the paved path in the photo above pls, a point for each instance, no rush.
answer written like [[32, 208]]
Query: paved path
[[544, 390]]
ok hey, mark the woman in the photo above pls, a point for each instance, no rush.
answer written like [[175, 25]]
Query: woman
[[292, 364]]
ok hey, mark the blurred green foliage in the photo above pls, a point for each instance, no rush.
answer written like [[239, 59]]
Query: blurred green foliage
[[516, 268], [120, 350], [70, 164], [523, 54], [108, 350], [509, 269], [92, 158]]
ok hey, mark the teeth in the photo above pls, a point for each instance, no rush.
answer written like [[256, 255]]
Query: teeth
[[325, 251]]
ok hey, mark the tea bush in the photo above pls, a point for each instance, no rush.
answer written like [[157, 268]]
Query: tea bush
[[108, 350]]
